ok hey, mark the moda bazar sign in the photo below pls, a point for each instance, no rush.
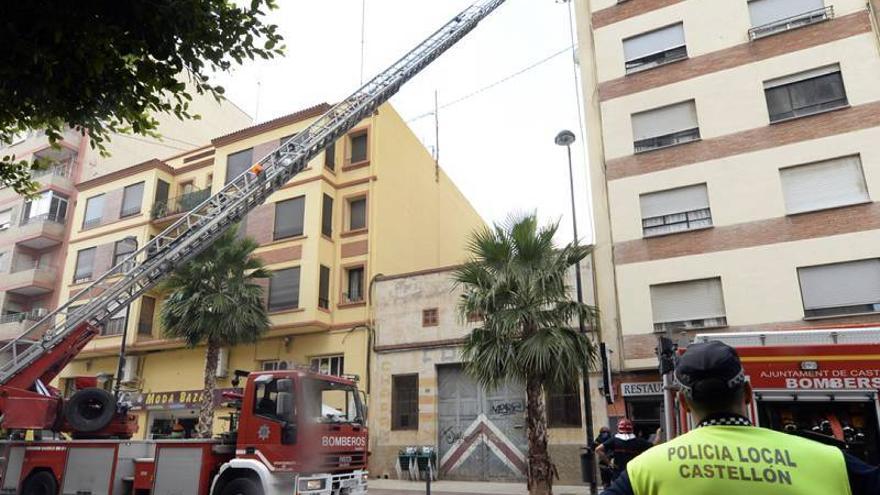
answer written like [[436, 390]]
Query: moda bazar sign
[[179, 399]]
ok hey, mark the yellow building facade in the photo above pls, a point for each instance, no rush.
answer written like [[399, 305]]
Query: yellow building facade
[[376, 203]]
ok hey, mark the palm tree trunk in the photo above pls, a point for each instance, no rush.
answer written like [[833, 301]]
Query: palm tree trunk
[[205, 428], [541, 469]]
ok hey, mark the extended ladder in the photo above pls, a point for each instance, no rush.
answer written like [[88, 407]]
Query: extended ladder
[[198, 229]]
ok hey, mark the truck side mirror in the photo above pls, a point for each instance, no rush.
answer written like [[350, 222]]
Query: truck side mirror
[[284, 405]]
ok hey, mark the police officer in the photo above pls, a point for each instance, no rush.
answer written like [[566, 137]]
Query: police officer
[[725, 454]]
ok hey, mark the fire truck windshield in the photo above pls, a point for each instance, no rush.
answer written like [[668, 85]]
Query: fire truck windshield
[[332, 402]]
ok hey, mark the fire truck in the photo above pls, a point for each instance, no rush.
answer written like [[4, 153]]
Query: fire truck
[[298, 432], [822, 384]]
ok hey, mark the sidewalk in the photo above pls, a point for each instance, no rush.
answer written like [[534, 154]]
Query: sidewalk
[[404, 487]]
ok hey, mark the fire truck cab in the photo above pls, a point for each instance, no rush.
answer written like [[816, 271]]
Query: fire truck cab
[[818, 383], [298, 433]]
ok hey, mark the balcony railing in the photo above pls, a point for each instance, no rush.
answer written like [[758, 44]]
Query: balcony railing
[[60, 169], [352, 297], [45, 217], [114, 327], [33, 315], [793, 22], [23, 266], [180, 204]]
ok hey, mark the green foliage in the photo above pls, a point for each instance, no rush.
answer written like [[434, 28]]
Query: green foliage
[[214, 299], [109, 67], [517, 280]]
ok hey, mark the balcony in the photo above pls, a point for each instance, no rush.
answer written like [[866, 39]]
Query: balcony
[[180, 204], [793, 22], [41, 231], [29, 279], [13, 325]]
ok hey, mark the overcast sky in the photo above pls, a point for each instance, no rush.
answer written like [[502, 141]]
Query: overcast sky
[[496, 145]]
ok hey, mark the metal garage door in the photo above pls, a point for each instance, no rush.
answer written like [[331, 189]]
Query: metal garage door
[[482, 433]]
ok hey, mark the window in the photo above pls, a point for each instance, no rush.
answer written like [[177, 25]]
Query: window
[[655, 48], [430, 317], [357, 214], [358, 147], [284, 289], [94, 211], [162, 190], [355, 285], [327, 216], [123, 249], [330, 157], [405, 402], [187, 188], [329, 365], [564, 408], [273, 365], [775, 16], [675, 210], [823, 185], [289, 218], [132, 197], [5, 219], [841, 288], [148, 312], [116, 324], [49, 205], [474, 317], [85, 263], [324, 287], [266, 398], [237, 163], [806, 93], [665, 126], [688, 305]]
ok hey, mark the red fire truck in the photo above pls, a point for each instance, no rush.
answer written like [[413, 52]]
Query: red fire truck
[[298, 432], [818, 383]]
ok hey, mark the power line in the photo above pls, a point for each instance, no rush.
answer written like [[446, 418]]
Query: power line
[[155, 142], [496, 83]]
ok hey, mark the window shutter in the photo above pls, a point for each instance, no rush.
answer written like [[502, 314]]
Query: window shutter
[[683, 301], [94, 209], [657, 41], [765, 12], [284, 289], [5, 218], [327, 216], [289, 217], [237, 163], [85, 262], [132, 198], [324, 287], [802, 76], [665, 120], [822, 185], [358, 214], [841, 284], [679, 200]]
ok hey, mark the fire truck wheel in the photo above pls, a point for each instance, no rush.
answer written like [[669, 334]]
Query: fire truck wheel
[[40, 483], [242, 486], [90, 409]]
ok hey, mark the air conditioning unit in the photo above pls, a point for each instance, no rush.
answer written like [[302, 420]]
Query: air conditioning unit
[[130, 369], [222, 363]]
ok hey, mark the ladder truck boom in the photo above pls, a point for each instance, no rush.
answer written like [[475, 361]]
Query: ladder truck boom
[[28, 361]]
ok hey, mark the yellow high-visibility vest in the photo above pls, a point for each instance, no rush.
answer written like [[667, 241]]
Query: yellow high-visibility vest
[[739, 460]]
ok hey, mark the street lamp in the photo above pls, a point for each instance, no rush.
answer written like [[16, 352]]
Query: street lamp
[[566, 138]]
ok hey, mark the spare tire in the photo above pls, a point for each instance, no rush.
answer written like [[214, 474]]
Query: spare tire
[[90, 409]]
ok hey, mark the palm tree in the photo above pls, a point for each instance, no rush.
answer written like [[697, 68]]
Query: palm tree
[[214, 300], [517, 281]]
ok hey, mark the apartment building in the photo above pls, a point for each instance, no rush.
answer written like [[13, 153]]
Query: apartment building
[[734, 171], [423, 397], [373, 203], [34, 234]]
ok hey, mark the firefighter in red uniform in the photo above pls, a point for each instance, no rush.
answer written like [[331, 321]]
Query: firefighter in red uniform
[[623, 447]]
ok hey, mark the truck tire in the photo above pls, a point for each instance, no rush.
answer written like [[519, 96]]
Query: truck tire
[[242, 486], [40, 483], [90, 409]]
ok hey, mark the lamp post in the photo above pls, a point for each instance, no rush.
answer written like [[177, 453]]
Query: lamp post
[[566, 138]]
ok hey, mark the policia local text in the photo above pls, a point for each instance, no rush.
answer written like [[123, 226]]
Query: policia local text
[[761, 465]]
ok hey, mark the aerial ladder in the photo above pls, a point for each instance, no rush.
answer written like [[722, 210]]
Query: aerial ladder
[[30, 361]]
